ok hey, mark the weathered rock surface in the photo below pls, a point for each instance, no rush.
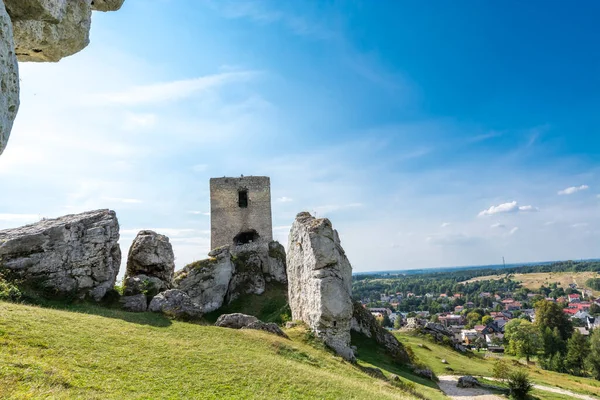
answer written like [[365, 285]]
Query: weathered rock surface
[[235, 320], [232, 271], [51, 39], [150, 265], [107, 5], [267, 327], [425, 373], [243, 321], [320, 282], [9, 78], [176, 304], [71, 256], [374, 372], [207, 281], [135, 303], [143, 284], [467, 382], [365, 323]]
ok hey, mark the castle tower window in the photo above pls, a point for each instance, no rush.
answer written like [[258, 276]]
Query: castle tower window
[[243, 198]]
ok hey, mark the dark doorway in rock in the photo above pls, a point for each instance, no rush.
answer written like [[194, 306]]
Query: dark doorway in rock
[[245, 237], [243, 198], [334, 324]]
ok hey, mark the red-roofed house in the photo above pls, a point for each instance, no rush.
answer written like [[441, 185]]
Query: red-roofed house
[[570, 311], [574, 298]]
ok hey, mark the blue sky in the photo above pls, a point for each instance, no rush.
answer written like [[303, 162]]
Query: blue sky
[[430, 133]]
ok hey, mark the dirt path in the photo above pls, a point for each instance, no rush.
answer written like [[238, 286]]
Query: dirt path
[[447, 384]]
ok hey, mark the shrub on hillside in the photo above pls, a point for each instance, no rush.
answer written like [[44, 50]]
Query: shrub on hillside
[[519, 384], [8, 291], [501, 370]]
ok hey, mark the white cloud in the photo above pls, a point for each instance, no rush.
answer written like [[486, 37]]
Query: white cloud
[[206, 213], [573, 189], [580, 225], [498, 225], [453, 239], [446, 224], [326, 209], [506, 208], [285, 199], [513, 230], [170, 91], [20, 218], [135, 121], [122, 200]]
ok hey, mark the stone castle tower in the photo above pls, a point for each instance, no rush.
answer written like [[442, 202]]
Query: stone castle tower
[[240, 210]]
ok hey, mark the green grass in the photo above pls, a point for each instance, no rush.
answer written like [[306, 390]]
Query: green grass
[[89, 352], [475, 364], [268, 307]]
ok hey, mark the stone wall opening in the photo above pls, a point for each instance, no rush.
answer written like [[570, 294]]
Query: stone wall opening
[[243, 198], [246, 237]]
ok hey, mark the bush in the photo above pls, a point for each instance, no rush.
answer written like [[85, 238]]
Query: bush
[[519, 384], [8, 291], [501, 370]]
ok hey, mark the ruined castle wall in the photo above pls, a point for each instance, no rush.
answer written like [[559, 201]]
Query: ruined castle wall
[[228, 219]]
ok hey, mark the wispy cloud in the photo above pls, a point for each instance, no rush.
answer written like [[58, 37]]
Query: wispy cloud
[[199, 213], [484, 137], [453, 239], [580, 225], [513, 230], [122, 200], [285, 199], [572, 190], [498, 225], [20, 218], [175, 232], [326, 209], [446, 224], [505, 208], [171, 91]]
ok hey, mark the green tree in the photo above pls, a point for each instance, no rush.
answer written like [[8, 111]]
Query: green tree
[[578, 349], [595, 309], [593, 359], [398, 322], [551, 315], [552, 342], [486, 320], [386, 320], [523, 338], [501, 369]]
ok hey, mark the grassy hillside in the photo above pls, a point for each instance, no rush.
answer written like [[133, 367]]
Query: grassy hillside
[[88, 352], [475, 364]]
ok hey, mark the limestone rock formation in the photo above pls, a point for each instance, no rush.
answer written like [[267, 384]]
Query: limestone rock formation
[[48, 35], [107, 5], [71, 256], [320, 282], [175, 303], [243, 321], [150, 265], [235, 320], [9, 78], [135, 303], [207, 281], [364, 322], [232, 271]]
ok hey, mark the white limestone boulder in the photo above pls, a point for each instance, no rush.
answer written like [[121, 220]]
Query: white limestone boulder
[[9, 78], [320, 282]]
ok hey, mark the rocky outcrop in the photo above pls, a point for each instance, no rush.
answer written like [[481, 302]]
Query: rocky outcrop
[[320, 282], [48, 30], [230, 272], [175, 303], [243, 321], [135, 303], [207, 281], [43, 31], [365, 323], [9, 78], [71, 256], [235, 320], [107, 5], [152, 255], [467, 381]]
